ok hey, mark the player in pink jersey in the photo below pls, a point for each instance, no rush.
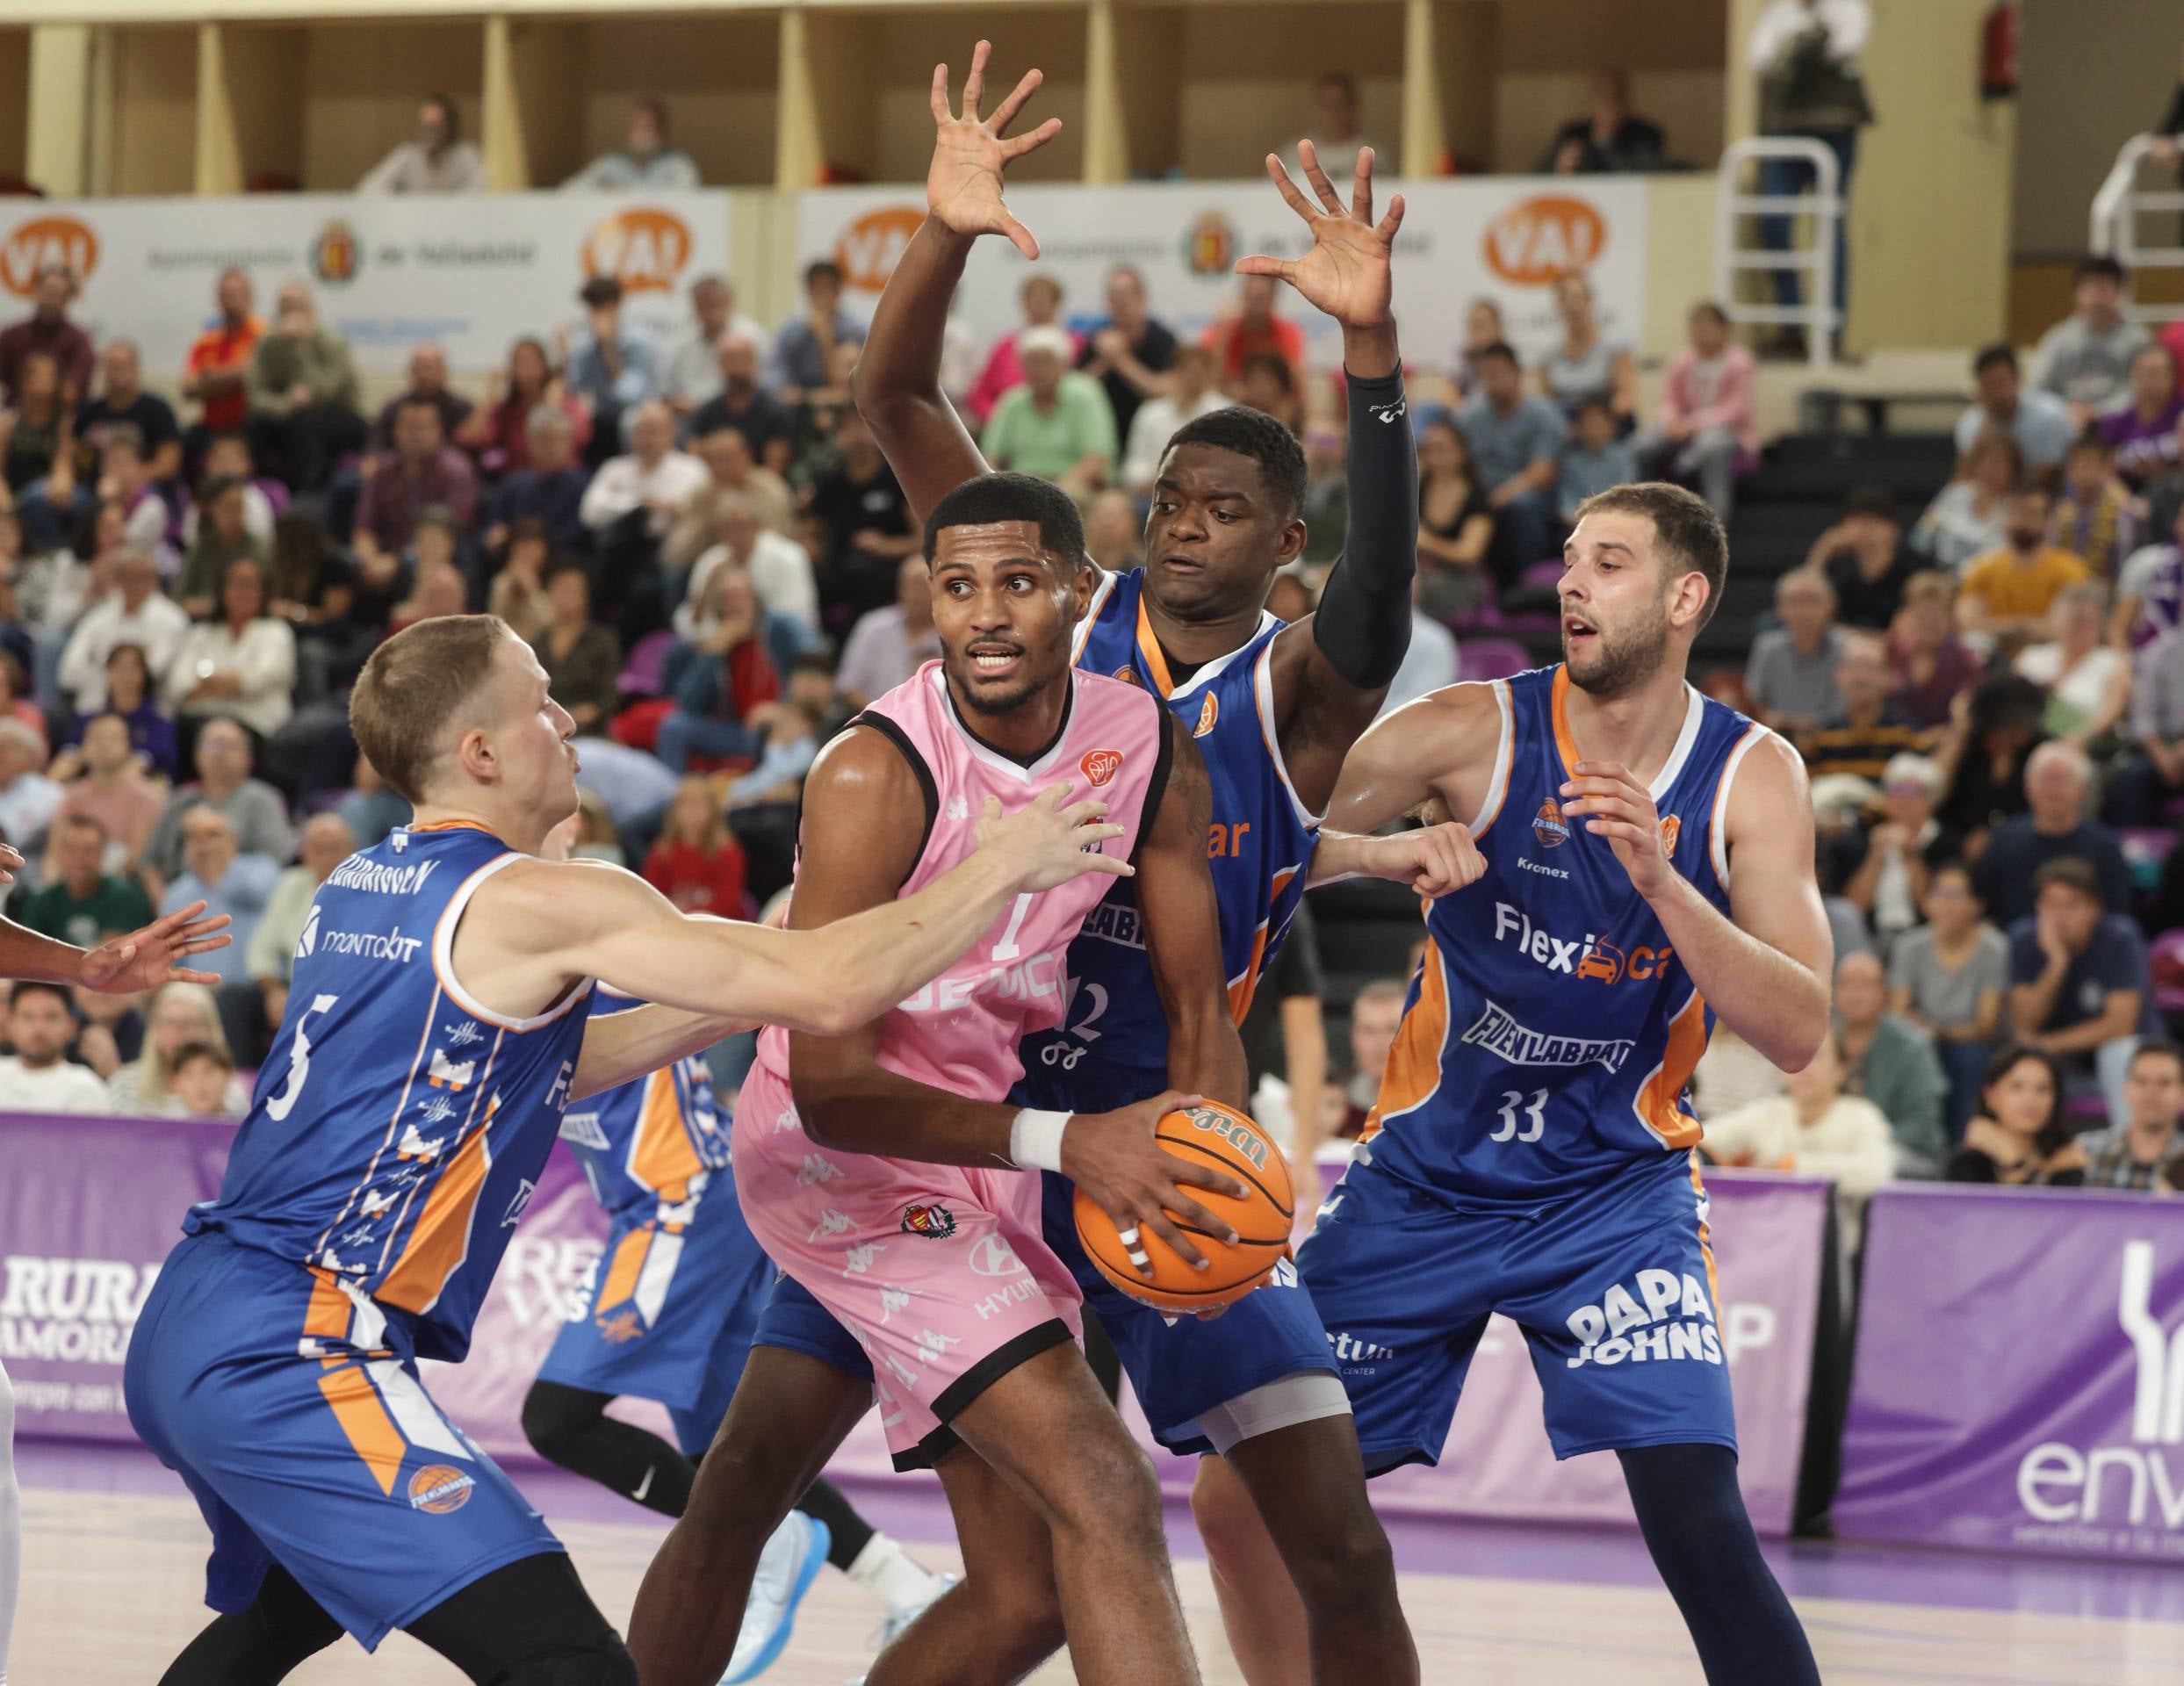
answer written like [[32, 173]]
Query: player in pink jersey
[[936, 1264]]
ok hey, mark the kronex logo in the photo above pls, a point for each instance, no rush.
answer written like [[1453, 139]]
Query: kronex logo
[[1675, 1321], [2060, 1483]]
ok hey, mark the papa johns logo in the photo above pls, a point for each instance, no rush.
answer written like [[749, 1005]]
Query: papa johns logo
[[1101, 764], [439, 1489], [933, 1223]]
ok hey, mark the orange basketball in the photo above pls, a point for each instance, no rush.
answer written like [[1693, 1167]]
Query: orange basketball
[[1219, 1136]]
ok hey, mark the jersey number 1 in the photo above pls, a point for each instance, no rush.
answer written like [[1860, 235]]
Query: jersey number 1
[[1535, 1116], [1008, 948]]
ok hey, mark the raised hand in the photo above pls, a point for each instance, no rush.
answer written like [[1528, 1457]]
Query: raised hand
[[1346, 273], [1621, 809], [1045, 844], [964, 183], [145, 959]]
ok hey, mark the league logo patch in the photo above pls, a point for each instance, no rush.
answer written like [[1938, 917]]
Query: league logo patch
[[1101, 764], [440, 1488], [1549, 826], [1208, 712], [933, 1223], [1671, 828]]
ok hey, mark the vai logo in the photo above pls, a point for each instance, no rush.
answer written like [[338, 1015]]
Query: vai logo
[[40, 242], [1101, 764], [644, 248], [868, 249], [1549, 826], [1538, 240]]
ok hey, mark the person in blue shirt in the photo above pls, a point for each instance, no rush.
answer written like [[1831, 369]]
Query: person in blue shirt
[[2080, 988], [1515, 439], [613, 368]]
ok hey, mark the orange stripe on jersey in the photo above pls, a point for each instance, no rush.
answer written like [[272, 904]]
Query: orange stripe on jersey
[[327, 1317], [1705, 1245], [452, 826], [1149, 647], [1565, 743], [1655, 1105], [624, 1268], [364, 1419], [442, 1236], [661, 1156], [1242, 988], [1414, 1060]]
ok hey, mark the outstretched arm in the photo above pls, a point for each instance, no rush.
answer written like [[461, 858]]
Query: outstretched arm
[[142, 959], [896, 385]]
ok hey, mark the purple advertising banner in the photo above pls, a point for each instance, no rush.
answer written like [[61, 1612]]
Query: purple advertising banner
[[89, 1207], [2019, 1382]]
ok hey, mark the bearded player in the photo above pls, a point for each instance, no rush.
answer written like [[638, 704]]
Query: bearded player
[[1649, 869]]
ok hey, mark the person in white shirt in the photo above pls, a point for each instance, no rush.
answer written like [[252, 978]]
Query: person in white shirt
[[1816, 1130], [132, 612], [780, 569], [649, 162], [887, 645], [437, 160], [1192, 393], [241, 666], [654, 477], [1336, 136], [1430, 663], [27, 796], [38, 1077], [692, 374]]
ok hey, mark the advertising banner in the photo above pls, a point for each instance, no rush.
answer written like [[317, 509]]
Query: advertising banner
[[389, 272], [2019, 1382], [1504, 238]]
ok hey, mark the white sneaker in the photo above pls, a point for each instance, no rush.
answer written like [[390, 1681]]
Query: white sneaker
[[790, 1562], [893, 1628]]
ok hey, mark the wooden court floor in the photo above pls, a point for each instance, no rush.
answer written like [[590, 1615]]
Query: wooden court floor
[[112, 1584]]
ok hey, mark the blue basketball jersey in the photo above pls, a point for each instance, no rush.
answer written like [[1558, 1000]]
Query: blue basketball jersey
[[399, 1126], [1114, 1032], [1551, 1032], [649, 1149]]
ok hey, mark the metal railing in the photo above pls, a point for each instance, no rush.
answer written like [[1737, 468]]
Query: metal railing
[[2113, 232], [1821, 315]]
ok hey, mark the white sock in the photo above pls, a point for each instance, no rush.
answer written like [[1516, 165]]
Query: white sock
[[10, 1522], [888, 1572]]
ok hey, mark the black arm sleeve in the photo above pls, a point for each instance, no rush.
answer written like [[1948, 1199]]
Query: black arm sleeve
[[1363, 626]]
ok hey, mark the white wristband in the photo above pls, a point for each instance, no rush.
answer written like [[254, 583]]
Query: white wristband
[[1036, 1139]]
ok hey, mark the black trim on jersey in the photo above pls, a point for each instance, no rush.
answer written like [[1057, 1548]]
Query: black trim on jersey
[[1069, 708], [1163, 764], [926, 788], [959, 1395]]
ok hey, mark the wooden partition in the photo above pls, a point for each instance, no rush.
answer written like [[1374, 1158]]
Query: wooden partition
[[146, 82], [15, 100]]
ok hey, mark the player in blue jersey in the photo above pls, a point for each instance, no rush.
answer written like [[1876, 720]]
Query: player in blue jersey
[[1273, 709], [1647, 868], [431, 1044]]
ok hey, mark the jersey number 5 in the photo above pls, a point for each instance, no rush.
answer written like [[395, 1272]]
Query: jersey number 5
[[1535, 1116], [279, 1106]]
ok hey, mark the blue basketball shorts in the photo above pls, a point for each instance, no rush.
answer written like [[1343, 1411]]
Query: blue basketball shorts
[[293, 1412], [1614, 1291]]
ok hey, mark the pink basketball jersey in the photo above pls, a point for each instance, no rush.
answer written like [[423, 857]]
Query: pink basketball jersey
[[960, 1032]]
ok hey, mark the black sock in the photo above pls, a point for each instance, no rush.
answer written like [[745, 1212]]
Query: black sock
[[257, 1646], [569, 1426], [1693, 1518], [822, 1502]]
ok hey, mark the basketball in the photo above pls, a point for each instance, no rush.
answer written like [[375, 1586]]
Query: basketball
[[1220, 1136]]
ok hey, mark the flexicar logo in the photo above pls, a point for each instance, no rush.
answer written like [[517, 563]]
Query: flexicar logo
[[40, 242], [439, 1489], [1539, 240], [644, 248], [1101, 764], [867, 249]]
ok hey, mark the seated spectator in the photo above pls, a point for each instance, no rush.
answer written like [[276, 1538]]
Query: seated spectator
[[864, 529], [1948, 976], [1968, 517], [1041, 299], [1252, 328], [2087, 681], [312, 587], [16, 703], [217, 374], [2016, 1135], [1586, 364], [38, 453], [2085, 358], [1191, 393], [430, 576], [203, 1071], [1732, 1074], [691, 375], [719, 681], [240, 666], [499, 431], [697, 863], [780, 571], [82, 902], [820, 410], [2078, 981], [802, 358], [1270, 382], [28, 799], [740, 404], [1815, 1128], [732, 472], [647, 161], [2095, 518], [252, 807], [1861, 733], [1885, 871], [2150, 593], [223, 536], [122, 477], [109, 1030], [518, 593], [181, 1014], [132, 612], [612, 367], [129, 693], [582, 658], [1707, 424], [38, 1077], [2058, 780], [303, 395], [548, 489], [1867, 561], [889, 644], [1376, 1013], [51, 590], [2165, 493], [1892, 1062], [791, 728], [2142, 434], [2008, 594], [422, 472], [228, 458], [1516, 441], [2143, 1147], [124, 403], [1455, 524], [428, 385], [1484, 325], [1592, 460], [649, 488], [1056, 424], [1325, 510], [435, 160], [2151, 776], [2037, 422], [369, 808], [1130, 354], [112, 793], [48, 331], [1337, 138], [1610, 139], [1983, 759], [1430, 660], [1112, 535], [1790, 677], [216, 872], [270, 960]]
